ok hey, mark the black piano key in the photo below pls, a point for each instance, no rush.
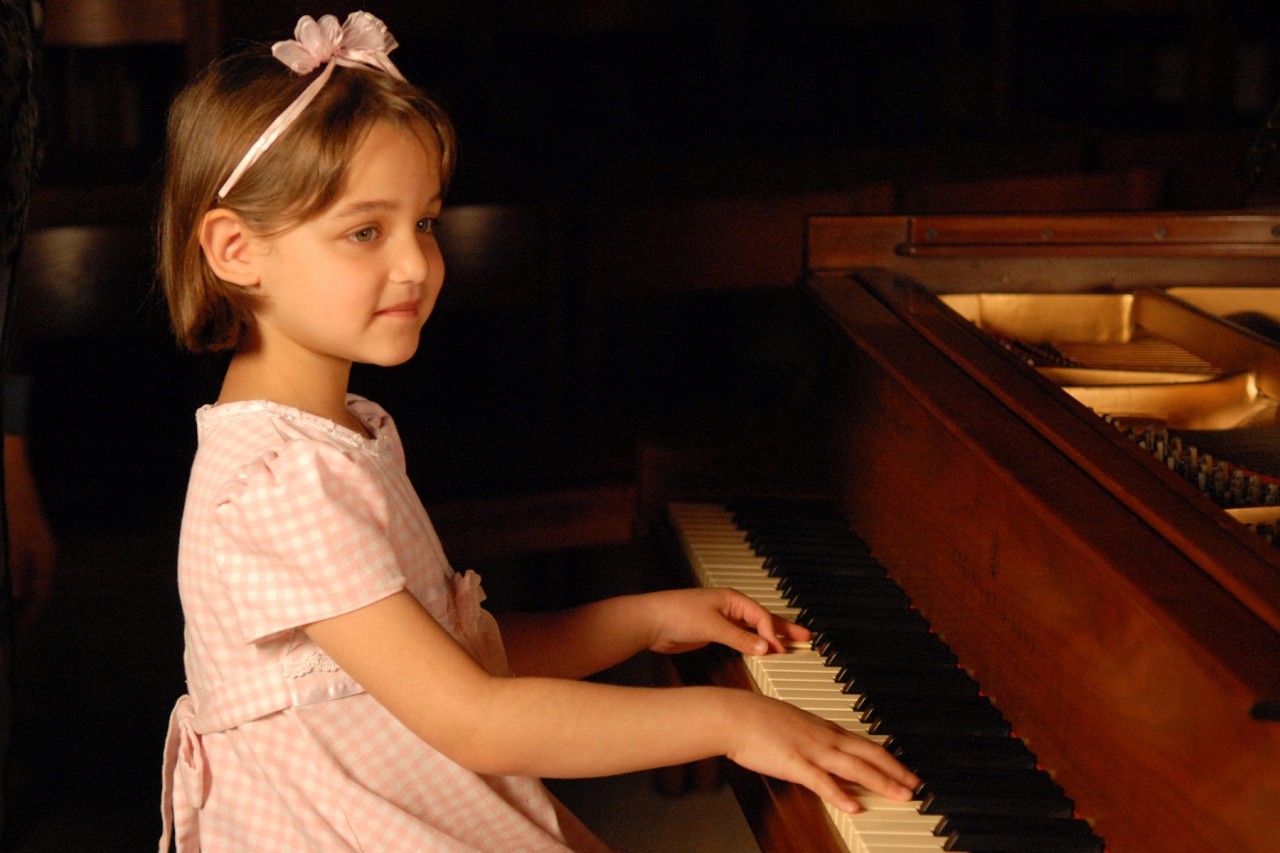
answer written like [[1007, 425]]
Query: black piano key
[[823, 618], [927, 725], [976, 707], [833, 567], [913, 681], [751, 512], [885, 657], [877, 659], [811, 515], [779, 536], [929, 753], [822, 588], [984, 843], [1013, 803], [870, 650], [1013, 834], [832, 541], [848, 600], [1007, 824], [853, 588], [1020, 780], [936, 717]]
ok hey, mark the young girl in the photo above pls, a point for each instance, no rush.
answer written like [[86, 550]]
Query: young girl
[[346, 689]]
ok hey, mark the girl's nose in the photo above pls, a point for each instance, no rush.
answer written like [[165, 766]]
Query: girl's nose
[[415, 258]]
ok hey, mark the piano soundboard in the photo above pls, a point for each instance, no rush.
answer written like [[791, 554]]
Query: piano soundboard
[[874, 667]]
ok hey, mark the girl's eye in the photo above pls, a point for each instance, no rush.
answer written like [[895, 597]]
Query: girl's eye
[[427, 225], [365, 235]]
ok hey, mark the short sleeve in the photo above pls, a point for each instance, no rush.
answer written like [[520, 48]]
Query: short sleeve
[[302, 536]]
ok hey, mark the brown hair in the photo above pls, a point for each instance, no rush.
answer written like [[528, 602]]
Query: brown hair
[[212, 124]]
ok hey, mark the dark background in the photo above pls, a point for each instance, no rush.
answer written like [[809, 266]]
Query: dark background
[[623, 245], [610, 272], [564, 98]]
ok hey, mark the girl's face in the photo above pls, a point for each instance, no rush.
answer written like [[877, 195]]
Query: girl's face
[[356, 282]]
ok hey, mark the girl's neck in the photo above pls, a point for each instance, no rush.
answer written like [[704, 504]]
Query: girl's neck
[[319, 389]]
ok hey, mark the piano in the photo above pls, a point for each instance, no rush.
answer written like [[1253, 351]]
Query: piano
[[1059, 436]]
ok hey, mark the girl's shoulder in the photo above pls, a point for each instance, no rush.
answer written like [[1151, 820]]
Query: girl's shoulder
[[271, 445], [241, 421]]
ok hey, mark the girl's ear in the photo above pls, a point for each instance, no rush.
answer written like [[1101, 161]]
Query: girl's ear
[[225, 240]]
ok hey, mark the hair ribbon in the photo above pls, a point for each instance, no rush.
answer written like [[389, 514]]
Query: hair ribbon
[[363, 40]]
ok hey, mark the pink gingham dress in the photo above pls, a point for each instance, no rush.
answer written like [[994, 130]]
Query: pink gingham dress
[[291, 518]]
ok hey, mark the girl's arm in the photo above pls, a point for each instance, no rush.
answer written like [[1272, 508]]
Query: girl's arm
[[562, 728], [584, 640]]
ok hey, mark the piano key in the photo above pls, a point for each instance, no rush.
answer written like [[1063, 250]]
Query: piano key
[[944, 752], [909, 831], [1012, 834], [869, 683], [833, 571], [834, 567], [1031, 805], [976, 843], [910, 651], [961, 710], [975, 781], [815, 540], [855, 590], [860, 599], [885, 826], [909, 722], [821, 617]]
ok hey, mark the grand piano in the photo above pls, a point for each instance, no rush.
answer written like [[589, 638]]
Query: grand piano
[[1059, 436]]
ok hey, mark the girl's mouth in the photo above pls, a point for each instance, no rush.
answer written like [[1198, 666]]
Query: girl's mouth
[[404, 309]]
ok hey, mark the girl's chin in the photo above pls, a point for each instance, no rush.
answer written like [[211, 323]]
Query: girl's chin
[[391, 356], [389, 360]]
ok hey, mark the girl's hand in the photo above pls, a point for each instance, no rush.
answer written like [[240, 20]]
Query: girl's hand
[[688, 619], [780, 740]]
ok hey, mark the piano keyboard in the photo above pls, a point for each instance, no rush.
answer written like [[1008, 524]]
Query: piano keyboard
[[874, 668]]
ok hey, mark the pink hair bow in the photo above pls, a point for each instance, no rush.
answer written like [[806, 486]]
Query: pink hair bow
[[362, 40]]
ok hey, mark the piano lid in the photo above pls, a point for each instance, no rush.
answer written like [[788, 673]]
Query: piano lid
[[1026, 254], [1066, 318]]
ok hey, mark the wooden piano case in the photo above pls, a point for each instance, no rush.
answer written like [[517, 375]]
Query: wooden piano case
[[1125, 623]]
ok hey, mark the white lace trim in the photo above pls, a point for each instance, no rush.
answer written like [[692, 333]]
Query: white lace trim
[[213, 413], [314, 662]]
